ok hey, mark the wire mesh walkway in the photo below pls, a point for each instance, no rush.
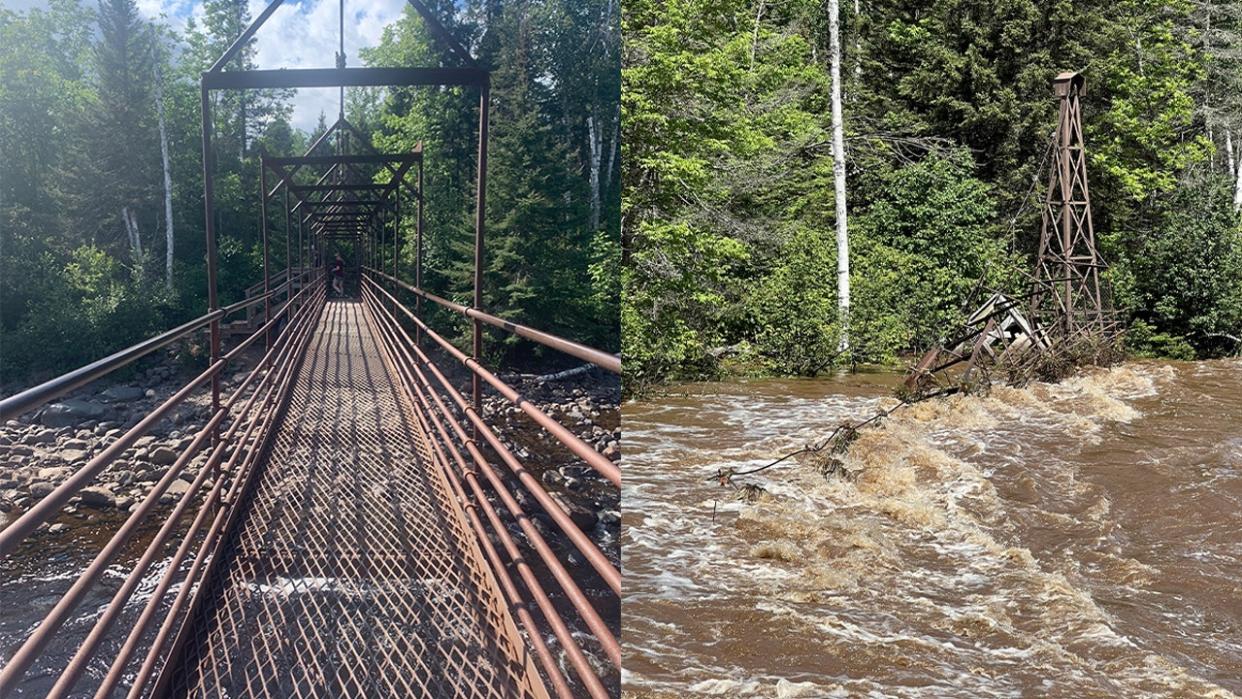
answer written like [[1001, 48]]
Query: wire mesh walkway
[[351, 571]]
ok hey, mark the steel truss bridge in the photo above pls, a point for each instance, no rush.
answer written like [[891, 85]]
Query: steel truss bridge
[[359, 528]]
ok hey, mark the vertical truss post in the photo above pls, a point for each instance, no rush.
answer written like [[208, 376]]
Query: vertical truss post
[[418, 255], [301, 246], [213, 300], [267, 279], [1067, 293], [396, 238], [479, 222], [288, 260]]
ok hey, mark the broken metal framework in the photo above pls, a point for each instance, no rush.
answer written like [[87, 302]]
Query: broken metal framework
[[532, 595], [1065, 319]]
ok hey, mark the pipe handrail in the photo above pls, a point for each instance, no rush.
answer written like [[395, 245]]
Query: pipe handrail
[[599, 358]]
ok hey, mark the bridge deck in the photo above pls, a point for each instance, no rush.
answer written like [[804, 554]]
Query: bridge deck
[[351, 571]]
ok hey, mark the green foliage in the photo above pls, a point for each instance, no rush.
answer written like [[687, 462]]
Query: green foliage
[[934, 224], [1145, 341], [795, 306], [87, 308], [948, 113], [549, 263], [79, 144], [1184, 277]]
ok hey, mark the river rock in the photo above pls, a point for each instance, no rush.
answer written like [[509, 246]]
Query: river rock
[[97, 496], [72, 412], [162, 456], [54, 474], [123, 393], [175, 490], [73, 455], [40, 437], [583, 517]]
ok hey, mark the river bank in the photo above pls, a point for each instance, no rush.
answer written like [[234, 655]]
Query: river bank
[[1073, 540]]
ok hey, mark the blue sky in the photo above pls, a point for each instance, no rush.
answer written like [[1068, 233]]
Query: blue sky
[[298, 35]]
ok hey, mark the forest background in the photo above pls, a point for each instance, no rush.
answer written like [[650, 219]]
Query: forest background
[[90, 94], [728, 213]]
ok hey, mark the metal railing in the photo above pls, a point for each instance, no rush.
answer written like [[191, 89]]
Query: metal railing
[[454, 425], [269, 377]]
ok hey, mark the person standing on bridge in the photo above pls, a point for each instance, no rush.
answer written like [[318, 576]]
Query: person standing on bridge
[[338, 275]]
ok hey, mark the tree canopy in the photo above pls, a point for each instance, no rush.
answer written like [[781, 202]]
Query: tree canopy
[[728, 211], [82, 215]]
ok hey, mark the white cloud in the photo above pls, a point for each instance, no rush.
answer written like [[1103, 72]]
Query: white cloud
[[306, 35]]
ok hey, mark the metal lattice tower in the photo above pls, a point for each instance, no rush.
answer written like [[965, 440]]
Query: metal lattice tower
[[1067, 297]]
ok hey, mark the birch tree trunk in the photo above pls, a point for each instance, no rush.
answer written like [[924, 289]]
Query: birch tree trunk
[[838, 176], [1229, 151], [1237, 188], [612, 151], [593, 133], [168, 210], [135, 239]]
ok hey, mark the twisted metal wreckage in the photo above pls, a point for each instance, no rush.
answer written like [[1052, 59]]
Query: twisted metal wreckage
[[1063, 321]]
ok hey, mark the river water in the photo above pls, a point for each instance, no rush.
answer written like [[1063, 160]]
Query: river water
[[1074, 540]]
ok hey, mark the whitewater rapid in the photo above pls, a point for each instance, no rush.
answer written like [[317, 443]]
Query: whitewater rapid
[[1074, 540]]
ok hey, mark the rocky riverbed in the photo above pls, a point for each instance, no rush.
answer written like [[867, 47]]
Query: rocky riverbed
[[589, 406], [40, 450]]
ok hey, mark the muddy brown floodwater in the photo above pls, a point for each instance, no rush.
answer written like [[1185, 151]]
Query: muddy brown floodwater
[[1077, 540]]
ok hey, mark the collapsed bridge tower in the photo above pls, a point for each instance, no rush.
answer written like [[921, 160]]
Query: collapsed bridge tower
[[1069, 321], [1066, 298]]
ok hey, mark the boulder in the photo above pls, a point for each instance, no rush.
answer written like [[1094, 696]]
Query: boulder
[[163, 456], [97, 496], [583, 517], [123, 393], [72, 412]]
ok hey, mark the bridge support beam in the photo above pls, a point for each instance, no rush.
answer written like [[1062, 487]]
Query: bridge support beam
[[209, 209], [418, 256], [480, 216], [267, 277]]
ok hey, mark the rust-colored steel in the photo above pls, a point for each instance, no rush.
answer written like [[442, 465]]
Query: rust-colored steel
[[343, 541], [422, 414], [594, 556], [1068, 294], [610, 362], [571, 441], [77, 665], [351, 555], [441, 415], [275, 384]]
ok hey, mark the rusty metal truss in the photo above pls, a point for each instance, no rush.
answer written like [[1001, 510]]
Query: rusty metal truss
[[1065, 319], [1067, 272]]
